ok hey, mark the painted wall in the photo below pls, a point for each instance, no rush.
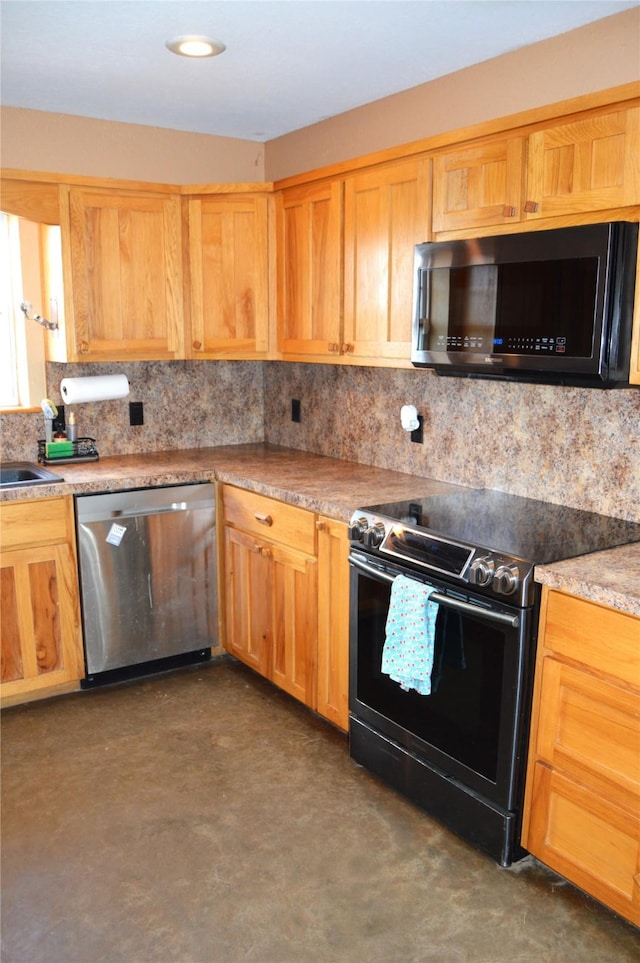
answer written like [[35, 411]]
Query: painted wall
[[596, 57], [59, 143]]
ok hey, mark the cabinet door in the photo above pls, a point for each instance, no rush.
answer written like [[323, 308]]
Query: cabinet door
[[125, 270], [387, 212], [229, 276], [582, 800], [309, 226], [271, 611], [479, 185], [41, 642], [586, 165], [247, 600], [333, 622], [294, 622], [586, 839]]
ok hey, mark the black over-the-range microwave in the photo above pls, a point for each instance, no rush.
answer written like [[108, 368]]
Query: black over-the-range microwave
[[553, 307]]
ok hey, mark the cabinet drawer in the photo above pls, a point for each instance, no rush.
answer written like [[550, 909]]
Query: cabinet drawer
[[605, 640], [268, 518], [39, 522], [590, 729]]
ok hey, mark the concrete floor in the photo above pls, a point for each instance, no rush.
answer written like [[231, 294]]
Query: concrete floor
[[204, 817]]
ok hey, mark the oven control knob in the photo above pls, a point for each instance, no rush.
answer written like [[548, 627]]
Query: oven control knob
[[481, 571], [374, 535], [357, 528], [506, 579]]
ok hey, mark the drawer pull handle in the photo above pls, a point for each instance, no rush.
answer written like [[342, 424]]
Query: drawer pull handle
[[263, 519], [531, 207]]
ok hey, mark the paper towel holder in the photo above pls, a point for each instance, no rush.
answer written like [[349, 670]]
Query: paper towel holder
[[93, 388]]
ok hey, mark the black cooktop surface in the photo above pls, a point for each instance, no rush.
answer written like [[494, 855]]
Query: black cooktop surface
[[530, 529]]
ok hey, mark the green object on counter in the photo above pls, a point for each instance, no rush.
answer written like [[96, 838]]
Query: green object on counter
[[59, 449]]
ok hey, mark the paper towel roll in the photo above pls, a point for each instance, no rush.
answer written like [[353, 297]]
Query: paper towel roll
[[95, 388]]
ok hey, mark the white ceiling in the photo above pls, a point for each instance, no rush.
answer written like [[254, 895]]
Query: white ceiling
[[288, 64]]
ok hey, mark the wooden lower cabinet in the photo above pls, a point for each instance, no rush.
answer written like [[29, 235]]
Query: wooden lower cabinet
[[271, 611], [333, 621], [272, 590], [582, 804], [41, 636]]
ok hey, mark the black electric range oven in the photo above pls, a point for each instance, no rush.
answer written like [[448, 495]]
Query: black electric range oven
[[460, 750]]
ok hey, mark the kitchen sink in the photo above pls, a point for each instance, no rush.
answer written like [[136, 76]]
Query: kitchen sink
[[17, 474]]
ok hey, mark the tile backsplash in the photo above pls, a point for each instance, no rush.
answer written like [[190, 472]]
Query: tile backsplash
[[573, 446], [186, 404]]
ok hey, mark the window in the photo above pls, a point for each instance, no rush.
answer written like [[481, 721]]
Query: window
[[10, 297], [22, 342]]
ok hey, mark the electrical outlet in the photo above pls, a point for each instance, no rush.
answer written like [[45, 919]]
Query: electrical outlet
[[58, 423], [295, 410], [416, 434], [136, 413]]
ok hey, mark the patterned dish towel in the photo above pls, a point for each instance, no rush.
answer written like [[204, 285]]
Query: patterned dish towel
[[407, 655]]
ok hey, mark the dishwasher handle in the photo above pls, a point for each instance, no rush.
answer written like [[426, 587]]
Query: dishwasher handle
[[156, 510]]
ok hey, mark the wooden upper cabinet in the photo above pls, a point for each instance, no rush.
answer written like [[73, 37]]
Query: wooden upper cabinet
[[309, 244], [123, 277], [387, 212], [586, 165], [583, 166], [479, 185], [229, 276]]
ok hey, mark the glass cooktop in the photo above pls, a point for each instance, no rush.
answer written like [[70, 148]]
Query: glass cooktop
[[537, 531]]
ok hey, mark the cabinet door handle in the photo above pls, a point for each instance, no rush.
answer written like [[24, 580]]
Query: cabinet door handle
[[531, 207], [197, 345], [346, 348], [263, 519], [508, 211]]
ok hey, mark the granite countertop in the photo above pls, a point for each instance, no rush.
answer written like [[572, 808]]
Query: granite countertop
[[326, 485], [330, 487], [610, 578]]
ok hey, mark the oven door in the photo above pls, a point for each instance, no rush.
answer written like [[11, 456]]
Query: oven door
[[473, 727]]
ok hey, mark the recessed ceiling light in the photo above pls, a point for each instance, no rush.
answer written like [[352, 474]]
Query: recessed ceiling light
[[194, 46]]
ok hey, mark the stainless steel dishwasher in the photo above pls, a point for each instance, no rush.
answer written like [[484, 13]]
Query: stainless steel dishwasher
[[147, 562]]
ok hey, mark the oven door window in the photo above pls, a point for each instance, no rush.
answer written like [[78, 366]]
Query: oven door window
[[468, 720]]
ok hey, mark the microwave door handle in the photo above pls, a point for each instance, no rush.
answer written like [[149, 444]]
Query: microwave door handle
[[424, 314], [458, 604]]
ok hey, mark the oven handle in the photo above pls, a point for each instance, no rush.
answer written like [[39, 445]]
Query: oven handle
[[458, 604]]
